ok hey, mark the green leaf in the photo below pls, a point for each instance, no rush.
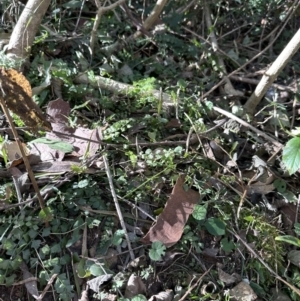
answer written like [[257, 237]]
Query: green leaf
[[200, 212], [46, 214], [157, 250], [297, 228], [81, 269], [32, 233], [8, 244], [75, 237], [4, 264], [36, 244], [96, 270], [118, 237], [45, 249], [215, 226], [46, 232], [56, 248], [291, 155], [83, 183], [55, 144], [226, 245], [139, 298], [289, 239], [280, 185]]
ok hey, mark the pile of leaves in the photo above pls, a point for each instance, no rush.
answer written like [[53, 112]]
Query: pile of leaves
[[130, 169]]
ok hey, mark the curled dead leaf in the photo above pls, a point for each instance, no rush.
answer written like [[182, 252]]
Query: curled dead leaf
[[170, 223], [16, 94]]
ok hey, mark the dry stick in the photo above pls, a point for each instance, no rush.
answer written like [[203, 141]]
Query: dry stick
[[25, 159], [256, 82], [246, 124], [296, 290], [193, 286], [114, 195], [251, 60], [101, 10], [47, 287]]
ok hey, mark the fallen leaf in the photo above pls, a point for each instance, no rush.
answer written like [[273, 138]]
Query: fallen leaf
[[163, 296], [16, 94], [170, 223], [242, 291], [12, 150], [135, 286], [97, 282], [226, 278], [31, 286], [59, 110]]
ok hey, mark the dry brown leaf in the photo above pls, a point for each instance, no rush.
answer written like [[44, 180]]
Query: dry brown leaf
[[170, 223], [242, 291], [135, 286], [226, 278], [163, 296], [31, 286], [59, 111], [16, 94], [12, 150], [259, 187]]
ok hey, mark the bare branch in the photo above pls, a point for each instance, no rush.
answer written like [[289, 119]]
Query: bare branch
[[23, 34]]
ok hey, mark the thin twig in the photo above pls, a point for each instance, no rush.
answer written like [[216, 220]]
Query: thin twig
[[25, 159], [101, 10], [193, 286], [47, 287], [115, 198], [246, 124]]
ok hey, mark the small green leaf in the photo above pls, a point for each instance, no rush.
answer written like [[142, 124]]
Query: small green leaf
[[4, 264], [55, 144], [36, 244], [96, 270], [280, 185], [118, 237], [46, 215], [46, 232], [32, 233], [215, 226], [297, 228], [200, 212], [83, 183], [8, 244], [45, 249], [56, 248], [289, 239], [81, 269], [226, 245], [291, 155], [157, 250]]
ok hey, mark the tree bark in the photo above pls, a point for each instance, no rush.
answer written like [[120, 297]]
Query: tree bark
[[23, 35]]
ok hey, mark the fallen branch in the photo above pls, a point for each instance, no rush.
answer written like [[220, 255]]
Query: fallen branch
[[121, 88]]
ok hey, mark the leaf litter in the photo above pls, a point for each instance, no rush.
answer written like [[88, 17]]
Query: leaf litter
[[65, 148]]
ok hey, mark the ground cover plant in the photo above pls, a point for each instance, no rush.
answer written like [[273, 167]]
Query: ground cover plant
[[149, 150]]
